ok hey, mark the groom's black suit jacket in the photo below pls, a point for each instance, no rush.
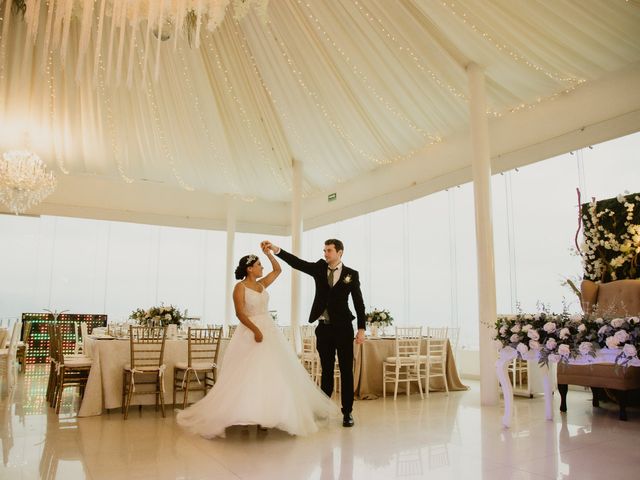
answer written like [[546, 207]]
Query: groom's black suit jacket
[[334, 299]]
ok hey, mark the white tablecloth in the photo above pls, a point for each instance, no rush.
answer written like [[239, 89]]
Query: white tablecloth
[[104, 387]]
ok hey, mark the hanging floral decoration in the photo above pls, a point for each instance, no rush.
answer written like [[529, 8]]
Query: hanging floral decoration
[[611, 247]]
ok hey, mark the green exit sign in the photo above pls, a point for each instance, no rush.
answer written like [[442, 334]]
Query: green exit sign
[[332, 197]]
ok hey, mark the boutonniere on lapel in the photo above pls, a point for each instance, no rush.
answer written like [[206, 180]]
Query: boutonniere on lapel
[[347, 278]]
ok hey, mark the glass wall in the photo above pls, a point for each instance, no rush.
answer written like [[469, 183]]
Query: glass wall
[[417, 259], [90, 266]]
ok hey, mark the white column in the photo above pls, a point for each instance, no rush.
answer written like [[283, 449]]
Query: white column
[[481, 164], [230, 267], [296, 248]]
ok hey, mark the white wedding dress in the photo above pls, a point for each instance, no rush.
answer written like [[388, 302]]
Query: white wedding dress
[[259, 383]]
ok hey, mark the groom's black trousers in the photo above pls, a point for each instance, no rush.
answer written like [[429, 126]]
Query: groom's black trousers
[[332, 338]]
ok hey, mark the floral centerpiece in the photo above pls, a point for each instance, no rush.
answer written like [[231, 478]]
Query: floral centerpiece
[[562, 337], [160, 316], [378, 319]]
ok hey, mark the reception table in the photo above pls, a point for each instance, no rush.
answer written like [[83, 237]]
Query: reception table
[[368, 358], [104, 386]]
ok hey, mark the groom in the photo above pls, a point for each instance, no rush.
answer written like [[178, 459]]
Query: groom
[[334, 283]]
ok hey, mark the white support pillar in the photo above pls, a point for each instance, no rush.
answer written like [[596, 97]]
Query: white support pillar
[[481, 165], [296, 248], [230, 267]]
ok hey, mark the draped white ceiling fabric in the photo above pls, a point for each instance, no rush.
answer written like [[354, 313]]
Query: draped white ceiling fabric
[[342, 86]]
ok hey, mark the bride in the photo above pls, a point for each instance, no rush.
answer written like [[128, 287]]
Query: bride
[[261, 381]]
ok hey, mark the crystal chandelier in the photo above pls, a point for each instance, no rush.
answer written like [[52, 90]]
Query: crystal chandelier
[[24, 180]]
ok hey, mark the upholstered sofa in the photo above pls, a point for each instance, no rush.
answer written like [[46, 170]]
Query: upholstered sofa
[[618, 298]]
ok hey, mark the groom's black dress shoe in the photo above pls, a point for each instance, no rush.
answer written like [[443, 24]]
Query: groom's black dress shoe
[[347, 420]]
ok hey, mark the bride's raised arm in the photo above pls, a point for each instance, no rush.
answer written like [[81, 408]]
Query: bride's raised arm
[[277, 270]]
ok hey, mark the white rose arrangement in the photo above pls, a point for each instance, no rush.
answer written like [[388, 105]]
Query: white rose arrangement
[[562, 337], [158, 316], [379, 318]]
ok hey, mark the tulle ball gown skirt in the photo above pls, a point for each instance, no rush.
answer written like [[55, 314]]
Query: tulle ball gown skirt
[[259, 383]]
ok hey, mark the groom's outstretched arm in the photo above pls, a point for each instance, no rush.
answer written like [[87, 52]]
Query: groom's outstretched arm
[[295, 262]]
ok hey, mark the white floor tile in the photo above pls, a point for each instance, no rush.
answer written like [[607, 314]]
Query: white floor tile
[[443, 437]]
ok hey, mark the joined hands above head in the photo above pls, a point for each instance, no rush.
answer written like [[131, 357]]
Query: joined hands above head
[[267, 247]]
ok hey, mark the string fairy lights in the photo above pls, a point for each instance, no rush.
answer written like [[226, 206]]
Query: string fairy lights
[[573, 82], [219, 159], [364, 80], [290, 126], [406, 50], [315, 97], [163, 18], [230, 91]]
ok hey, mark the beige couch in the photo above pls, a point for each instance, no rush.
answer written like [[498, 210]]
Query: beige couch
[[618, 298]]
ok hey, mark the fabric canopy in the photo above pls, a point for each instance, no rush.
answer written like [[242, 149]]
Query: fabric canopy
[[348, 88]]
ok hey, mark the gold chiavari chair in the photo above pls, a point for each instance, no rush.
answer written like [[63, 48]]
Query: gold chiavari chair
[[198, 373], [23, 345], [4, 333], [70, 370], [80, 332], [146, 366], [53, 362], [404, 366], [231, 329]]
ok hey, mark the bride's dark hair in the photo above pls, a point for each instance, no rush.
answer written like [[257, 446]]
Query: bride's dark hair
[[245, 262]]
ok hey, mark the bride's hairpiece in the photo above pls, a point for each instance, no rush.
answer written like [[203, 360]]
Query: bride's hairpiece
[[251, 258]]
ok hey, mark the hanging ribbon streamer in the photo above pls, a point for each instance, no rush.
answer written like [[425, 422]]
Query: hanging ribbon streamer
[[85, 36], [169, 17], [47, 33], [147, 41], [98, 41], [32, 17], [199, 14], [180, 14], [123, 29], [66, 26], [114, 14], [160, 21], [132, 45]]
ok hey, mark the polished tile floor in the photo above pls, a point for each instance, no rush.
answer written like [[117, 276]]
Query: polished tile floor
[[440, 437]]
